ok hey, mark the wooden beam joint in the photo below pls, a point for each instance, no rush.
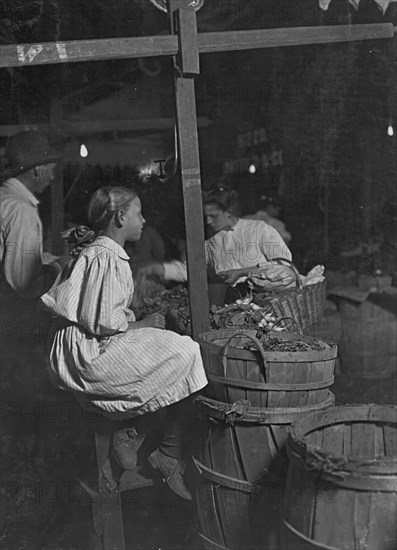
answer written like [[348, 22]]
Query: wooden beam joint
[[184, 23]]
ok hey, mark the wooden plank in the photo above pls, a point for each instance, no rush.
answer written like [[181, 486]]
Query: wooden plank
[[136, 125], [17, 55], [186, 117], [76, 127], [333, 439], [11, 129], [225, 452], [207, 512], [334, 517], [191, 183], [347, 439], [379, 441], [295, 36], [258, 448], [72, 51], [390, 436], [363, 440], [188, 58], [253, 372]]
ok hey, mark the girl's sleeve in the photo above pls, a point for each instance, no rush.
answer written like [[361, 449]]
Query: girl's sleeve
[[101, 309]]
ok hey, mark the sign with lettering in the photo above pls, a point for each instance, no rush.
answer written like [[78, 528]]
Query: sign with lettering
[[254, 149]]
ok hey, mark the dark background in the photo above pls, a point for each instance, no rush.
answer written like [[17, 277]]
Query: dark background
[[325, 107]]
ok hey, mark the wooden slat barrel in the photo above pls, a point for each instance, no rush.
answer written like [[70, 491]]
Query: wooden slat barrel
[[369, 345], [241, 462], [264, 378], [341, 489]]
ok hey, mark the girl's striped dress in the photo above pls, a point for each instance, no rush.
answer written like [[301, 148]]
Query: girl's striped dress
[[107, 365]]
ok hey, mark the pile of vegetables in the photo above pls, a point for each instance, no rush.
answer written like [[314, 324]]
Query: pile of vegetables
[[273, 334], [243, 314], [291, 342], [173, 303]]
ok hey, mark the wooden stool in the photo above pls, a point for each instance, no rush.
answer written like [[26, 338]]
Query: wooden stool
[[106, 502]]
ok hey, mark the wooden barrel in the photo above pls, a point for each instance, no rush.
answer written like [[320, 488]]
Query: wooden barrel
[[341, 489], [241, 464], [264, 378], [369, 345]]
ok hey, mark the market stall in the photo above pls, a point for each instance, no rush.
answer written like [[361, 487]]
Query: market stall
[[186, 44], [308, 389]]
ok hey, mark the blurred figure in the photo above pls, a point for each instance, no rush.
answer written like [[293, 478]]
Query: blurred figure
[[269, 212], [150, 248]]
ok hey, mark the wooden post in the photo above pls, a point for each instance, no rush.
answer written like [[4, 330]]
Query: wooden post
[[366, 186], [187, 65], [57, 214]]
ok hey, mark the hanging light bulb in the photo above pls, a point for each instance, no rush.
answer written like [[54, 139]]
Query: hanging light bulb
[[390, 130], [83, 151]]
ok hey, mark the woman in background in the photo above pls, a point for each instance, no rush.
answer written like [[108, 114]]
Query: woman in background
[[236, 246], [269, 212]]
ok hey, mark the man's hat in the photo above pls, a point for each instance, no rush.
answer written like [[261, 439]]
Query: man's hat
[[26, 150]]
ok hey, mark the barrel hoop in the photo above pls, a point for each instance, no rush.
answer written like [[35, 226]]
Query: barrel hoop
[[226, 481], [312, 543], [242, 412], [271, 387], [211, 543], [362, 481]]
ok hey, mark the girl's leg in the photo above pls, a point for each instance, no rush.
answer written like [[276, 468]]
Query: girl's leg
[[168, 457]]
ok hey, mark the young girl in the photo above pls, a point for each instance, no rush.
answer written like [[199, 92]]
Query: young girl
[[108, 360]]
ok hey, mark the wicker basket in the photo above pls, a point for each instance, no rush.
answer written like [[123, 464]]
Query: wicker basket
[[305, 304]]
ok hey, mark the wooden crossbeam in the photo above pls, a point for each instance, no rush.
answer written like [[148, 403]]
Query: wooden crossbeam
[[17, 55], [78, 127]]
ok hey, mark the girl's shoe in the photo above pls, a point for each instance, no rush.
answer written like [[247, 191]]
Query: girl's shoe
[[172, 470]]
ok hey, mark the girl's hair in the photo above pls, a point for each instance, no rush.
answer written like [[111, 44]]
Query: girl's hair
[[104, 204], [224, 199]]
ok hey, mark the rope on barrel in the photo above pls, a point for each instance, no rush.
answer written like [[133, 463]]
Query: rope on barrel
[[242, 411]]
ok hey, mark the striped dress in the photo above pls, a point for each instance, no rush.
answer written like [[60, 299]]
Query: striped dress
[[106, 363]]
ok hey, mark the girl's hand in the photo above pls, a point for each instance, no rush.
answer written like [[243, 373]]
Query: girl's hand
[[154, 320]]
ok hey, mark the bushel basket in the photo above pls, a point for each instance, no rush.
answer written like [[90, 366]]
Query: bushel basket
[[265, 378], [341, 491], [305, 304]]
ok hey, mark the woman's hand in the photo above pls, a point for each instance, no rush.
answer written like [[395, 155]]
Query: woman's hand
[[231, 276], [154, 320]]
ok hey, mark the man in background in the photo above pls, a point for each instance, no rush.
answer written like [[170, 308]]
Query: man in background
[[24, 273]]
